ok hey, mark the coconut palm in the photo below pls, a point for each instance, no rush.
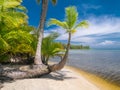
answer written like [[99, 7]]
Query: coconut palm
[[14, 31], [50, 48], [9, 14], [38, 59], [70, 25]]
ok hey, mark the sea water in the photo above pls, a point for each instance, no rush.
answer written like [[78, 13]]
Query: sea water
[[105, 63]]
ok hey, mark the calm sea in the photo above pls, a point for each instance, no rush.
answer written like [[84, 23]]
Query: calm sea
[[105, 63]]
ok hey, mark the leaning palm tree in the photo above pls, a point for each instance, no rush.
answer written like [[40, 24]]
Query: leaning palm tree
[[70, 25], [38, 58]]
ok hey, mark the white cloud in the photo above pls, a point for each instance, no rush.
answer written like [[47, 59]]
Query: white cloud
[[83, 39], [88, 6], [98, 26], [101, 26], [107, 42]]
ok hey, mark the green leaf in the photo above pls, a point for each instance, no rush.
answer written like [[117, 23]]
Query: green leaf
[[53, 21], [82, 24], [71, 16], [54, 2]]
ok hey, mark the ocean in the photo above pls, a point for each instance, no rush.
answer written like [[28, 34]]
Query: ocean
[[104, 63]]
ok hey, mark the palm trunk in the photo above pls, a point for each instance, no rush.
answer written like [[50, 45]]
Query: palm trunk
[[23, 72], [46, 61], [35, 71], [38, 59], [62, 63]]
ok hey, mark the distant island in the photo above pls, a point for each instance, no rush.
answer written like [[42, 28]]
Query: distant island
[[78, 46]]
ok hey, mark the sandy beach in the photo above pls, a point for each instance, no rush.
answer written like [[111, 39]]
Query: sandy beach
[[65, 79], [69, 78]]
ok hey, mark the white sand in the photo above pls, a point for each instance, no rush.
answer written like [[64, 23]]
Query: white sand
[[65, 79]]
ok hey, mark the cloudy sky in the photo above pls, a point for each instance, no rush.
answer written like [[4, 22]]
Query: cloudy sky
[[103, 17]]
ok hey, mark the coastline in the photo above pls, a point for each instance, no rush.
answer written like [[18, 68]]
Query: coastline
[[70, 78], [96, 80], [66, 79]]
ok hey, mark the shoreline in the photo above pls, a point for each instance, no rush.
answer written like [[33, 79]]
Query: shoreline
[[98, 81], [66, 79], [80, 78]]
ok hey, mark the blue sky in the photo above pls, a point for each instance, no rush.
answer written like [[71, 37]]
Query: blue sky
[[102, 15]]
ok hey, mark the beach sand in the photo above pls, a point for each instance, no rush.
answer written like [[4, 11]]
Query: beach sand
[[65, 79]]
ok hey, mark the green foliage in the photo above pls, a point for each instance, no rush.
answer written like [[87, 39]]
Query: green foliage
[[19, 41], [54, 2], [70, 24], [79, 47], [3, 45], [15, 37], [50, 48], [71, 16]]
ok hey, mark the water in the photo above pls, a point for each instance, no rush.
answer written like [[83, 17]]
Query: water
[[105, 63]]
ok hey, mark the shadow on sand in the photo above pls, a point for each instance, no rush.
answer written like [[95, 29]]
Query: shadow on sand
[[4, 79], [58, 75]]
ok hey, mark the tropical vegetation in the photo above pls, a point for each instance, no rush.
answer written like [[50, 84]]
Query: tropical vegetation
[[50, 48], [78, 46], [70, 25], [38, 55], [16, 39]]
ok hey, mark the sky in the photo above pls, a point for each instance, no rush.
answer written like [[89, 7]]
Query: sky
[[103, 17]]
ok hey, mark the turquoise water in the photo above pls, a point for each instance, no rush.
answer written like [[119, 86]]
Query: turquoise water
[[105, 63]]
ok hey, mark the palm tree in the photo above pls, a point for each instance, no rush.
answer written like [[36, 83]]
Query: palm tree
[[10, 19], [70, 25], [38, 58], [9, 13], [50, 48]]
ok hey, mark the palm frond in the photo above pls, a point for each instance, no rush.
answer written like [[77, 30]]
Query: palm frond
[[3, 44], [10, 4], [71, 16], [17, 37], [73, 31], [13, 19], [38, 1], [54, 2], [22, 8], [82, 24], [53, 35], [24, 48], [53, 21]]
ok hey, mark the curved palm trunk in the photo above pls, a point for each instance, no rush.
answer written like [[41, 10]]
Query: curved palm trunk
[[23, 72], [62, 63], [38, 58], [34, 71]]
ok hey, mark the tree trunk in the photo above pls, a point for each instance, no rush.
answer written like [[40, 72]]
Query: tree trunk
[[62, 63], [38, 59], [39, 68], [35, 71], [23, 72]]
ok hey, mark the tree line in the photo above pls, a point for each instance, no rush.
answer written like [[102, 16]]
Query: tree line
[[79, 47]]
